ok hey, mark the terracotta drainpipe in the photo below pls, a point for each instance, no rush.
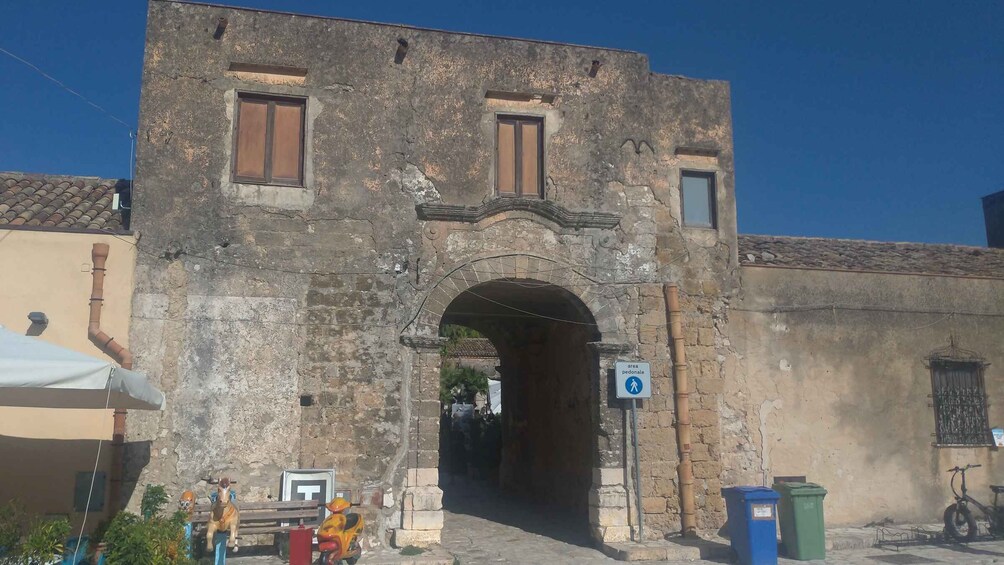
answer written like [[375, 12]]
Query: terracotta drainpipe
[[681, 395], [99, 254]]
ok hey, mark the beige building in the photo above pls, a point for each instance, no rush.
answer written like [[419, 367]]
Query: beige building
[[843, 372], [48, 227]]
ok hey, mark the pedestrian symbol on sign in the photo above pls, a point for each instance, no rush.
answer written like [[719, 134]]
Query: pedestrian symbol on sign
[[634, 385]]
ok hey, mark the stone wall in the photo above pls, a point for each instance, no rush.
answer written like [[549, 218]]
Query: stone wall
[[829, 381], [657, 417], [273, 317]]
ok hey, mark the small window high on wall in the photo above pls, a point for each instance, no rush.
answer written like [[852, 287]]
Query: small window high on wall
[[268, 140], [697, 194], [519, 156]]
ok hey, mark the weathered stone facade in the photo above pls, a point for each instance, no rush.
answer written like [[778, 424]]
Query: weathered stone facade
[[297, 326]]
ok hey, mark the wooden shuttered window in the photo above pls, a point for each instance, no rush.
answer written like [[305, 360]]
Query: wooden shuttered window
[[519, 156], [268, 140]]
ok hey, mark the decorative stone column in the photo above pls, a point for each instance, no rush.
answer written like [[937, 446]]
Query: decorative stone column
[[609, 514], [422, 500]]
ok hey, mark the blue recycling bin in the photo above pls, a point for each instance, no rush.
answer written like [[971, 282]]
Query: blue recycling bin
[[752, 512]]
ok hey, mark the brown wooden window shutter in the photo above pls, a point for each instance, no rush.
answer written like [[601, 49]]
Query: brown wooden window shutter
[[519, 156], [268, 141]]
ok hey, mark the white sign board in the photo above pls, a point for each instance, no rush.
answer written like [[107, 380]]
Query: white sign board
[[634, 379], [309, 484]]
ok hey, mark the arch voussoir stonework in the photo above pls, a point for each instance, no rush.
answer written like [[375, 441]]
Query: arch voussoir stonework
[[523, 266]]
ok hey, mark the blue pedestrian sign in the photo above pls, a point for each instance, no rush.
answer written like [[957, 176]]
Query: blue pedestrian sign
[[634, 386], [634, 379]]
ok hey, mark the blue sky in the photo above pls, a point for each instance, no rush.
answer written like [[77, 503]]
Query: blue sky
[[873, 120]]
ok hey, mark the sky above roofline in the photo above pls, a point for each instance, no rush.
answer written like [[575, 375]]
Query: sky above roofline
[[861, 120]]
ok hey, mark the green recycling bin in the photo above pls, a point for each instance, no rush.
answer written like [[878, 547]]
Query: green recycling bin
[[800, 513]]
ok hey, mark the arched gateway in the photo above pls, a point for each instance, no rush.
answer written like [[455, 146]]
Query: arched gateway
[[557, 335]]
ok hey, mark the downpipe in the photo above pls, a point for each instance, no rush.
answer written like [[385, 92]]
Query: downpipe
[[99, 255], [681, 397]]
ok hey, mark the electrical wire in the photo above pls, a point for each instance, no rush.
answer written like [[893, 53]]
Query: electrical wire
[[591, 324], [62, 85]]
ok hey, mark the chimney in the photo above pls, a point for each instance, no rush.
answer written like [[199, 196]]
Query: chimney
[[993, 214]]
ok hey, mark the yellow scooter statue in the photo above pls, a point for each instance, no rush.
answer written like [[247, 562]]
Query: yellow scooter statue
[[338, 536]]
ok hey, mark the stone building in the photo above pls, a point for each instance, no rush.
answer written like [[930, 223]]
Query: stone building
[[993, 213], [316, 197]]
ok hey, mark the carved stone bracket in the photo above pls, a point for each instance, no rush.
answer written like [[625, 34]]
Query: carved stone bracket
[[609, 348], [422, 342], [548, 210]]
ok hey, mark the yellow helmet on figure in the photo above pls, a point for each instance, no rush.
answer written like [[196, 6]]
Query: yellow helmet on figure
[[338, 505]]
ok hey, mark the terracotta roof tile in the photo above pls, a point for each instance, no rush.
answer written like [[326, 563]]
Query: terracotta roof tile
[[876, 256], [60, 201], [474, 347]]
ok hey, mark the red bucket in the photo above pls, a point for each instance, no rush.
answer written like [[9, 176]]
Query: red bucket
[[300, 540]]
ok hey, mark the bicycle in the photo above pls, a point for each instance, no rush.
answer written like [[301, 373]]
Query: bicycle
[[960, 523]]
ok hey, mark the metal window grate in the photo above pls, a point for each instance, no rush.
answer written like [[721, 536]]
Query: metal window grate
[[960, 402]]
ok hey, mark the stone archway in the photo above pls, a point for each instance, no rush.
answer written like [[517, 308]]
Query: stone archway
[[421, 504]]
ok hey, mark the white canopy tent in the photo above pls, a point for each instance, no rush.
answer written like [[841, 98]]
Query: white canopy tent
[[37, 373]]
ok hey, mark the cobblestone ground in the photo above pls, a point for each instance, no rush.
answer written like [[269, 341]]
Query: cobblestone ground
[[975, 554], [482, 526]]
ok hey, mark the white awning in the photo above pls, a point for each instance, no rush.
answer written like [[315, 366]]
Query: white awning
[[37, 373]]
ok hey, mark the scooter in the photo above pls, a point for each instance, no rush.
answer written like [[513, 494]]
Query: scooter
[[338, 536]]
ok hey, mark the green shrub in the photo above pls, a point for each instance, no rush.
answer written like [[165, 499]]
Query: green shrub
[[126, 540], [460, 384], [12, 519], [153, 540], [44, 541], [154, 499]]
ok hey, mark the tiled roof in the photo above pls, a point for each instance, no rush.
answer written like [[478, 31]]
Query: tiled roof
[[474, 347], [875, 256], [60, 202]]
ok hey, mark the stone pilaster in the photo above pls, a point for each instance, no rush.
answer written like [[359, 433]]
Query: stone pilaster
[[421, 521], [609, 513]]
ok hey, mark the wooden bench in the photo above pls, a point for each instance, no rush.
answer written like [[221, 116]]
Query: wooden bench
[[262, 517]]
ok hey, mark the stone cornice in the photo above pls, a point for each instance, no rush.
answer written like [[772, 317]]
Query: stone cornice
[[422, 342], [548, 210], [609, 348]]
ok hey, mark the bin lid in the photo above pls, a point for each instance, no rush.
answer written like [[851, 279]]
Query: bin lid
[[800, 489], [751, 493]]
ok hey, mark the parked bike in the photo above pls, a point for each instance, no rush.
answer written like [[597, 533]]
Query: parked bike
[[960, 523], [338, 536]]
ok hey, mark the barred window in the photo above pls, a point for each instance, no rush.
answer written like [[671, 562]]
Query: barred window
[[960, 402]]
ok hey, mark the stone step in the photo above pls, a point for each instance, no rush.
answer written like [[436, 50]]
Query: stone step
[[675, 550], [386, 556]]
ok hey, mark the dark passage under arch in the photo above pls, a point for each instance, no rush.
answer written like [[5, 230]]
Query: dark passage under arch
[[541, 334]]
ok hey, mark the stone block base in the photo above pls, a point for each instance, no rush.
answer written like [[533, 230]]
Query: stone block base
[[603, 535], [422, 520], [422, 498], [665, 550], [424, 477], [417, 538]]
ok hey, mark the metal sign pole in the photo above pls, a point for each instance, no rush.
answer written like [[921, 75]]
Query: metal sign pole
[[637, 469]]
